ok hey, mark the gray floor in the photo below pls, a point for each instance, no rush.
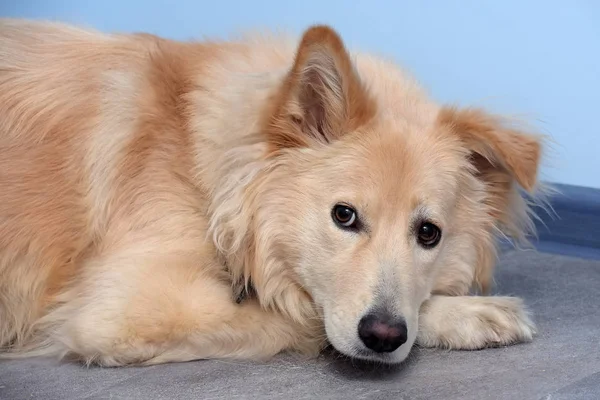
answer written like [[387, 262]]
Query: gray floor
[[562, 363]]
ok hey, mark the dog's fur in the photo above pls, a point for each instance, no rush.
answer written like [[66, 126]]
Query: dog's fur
[[143, 181]]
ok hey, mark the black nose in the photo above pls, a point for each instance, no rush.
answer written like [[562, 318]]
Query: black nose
[[381, 333]]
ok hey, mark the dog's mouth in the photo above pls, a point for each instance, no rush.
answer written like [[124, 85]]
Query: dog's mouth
[[357, 350], [396, 357], [369, 357]]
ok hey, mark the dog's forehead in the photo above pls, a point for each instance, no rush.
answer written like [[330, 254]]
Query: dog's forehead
[[401, 168], [409, 157]]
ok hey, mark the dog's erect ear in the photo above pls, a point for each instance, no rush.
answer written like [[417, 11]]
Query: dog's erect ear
[[321, 97], [494, 145]]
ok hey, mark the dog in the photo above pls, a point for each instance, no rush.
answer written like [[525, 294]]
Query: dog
[[166, 201]]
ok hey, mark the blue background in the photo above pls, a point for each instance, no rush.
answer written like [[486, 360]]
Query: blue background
[[538, 60]]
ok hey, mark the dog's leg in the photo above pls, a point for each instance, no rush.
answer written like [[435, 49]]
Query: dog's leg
[[473, 322], [242, 331], [152, 308]]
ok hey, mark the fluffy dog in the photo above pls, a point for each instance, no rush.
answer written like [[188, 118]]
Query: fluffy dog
[[145, 183]]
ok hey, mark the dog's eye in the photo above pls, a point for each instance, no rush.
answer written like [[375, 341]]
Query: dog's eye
[[428, 235], [344, 216]]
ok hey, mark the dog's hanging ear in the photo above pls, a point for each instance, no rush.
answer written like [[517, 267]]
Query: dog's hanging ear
[[321, 97], [495, 147], [500, 155]]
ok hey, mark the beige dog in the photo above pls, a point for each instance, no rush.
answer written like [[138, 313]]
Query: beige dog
[[143, 181]]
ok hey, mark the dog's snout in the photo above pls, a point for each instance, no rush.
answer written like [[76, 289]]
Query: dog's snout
[[381, 333]]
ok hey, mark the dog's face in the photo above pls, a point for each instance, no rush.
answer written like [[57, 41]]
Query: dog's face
[[372, 217], [366, 207]]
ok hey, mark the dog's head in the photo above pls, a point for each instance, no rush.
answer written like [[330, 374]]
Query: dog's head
[[374, 198]]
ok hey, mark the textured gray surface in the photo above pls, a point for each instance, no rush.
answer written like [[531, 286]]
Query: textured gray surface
[[562, 363]]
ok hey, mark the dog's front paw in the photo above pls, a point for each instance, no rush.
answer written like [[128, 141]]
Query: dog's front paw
[[473, 322]]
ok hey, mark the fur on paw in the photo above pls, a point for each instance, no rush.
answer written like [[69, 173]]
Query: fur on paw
[[474, 322]]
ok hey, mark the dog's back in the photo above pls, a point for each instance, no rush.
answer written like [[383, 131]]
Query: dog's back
[[42, 220], [56, 85]]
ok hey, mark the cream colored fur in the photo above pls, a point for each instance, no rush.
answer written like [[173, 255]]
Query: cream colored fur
[[146, 180]]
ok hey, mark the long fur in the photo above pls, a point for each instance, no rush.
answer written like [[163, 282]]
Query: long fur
[[146, 180]]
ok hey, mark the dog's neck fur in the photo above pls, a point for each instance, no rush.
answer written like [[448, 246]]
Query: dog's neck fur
[[230, 151]]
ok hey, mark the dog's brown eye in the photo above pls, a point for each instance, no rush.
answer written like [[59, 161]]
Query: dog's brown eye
[[344, 216], [429, 235]]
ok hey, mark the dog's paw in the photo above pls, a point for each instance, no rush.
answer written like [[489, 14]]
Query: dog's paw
[[473, 322]]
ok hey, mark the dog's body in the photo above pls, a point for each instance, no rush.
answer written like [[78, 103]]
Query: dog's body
[[145, 180]]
